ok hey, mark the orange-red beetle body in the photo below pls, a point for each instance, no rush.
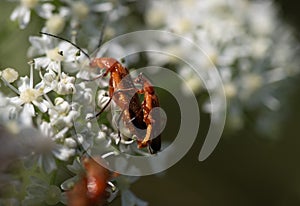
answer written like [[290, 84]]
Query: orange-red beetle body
[[152, 138], [90, 190], [123, 92]]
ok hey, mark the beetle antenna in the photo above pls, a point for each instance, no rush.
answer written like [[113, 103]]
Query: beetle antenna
[[100, 41], [61, 38]]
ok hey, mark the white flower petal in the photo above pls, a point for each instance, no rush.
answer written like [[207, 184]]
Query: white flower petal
[[41, 43], [4, 101], [14, 15], [69, 119], [70, 142], [42, 62], [64, 11], [48, 87], [29, 109], [46, 129], [16, 101], [61, 134], [45, 10], [64, 153], [24, 18], [43, 105], [26, 115], [48, 163], [102, 7], [54, 66], [70, 67], [40, 86], [24, 84]]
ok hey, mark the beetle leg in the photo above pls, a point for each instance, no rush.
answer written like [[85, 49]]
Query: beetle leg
[[146, 140], [102, 110], [118, 128]]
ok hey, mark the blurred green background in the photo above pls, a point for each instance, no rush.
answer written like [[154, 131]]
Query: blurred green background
[[245, 169]]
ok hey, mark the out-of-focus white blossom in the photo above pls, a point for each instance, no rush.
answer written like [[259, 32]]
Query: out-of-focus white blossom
[[85, 13], [22, 12], [251, 48], [55, 24], [80, 9]]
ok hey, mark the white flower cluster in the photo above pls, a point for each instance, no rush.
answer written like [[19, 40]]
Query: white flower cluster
[[47, 102], [252, 49], [76, 12]]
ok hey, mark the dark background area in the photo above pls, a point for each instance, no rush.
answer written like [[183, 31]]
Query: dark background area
[[245, 168]]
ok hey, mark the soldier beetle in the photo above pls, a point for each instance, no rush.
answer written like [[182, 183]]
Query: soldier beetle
[[152, 121], [123, 92], [90, 190]]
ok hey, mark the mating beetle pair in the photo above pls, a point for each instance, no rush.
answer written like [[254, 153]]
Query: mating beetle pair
[[137, 116]]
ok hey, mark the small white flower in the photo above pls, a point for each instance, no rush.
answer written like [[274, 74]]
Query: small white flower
[[23, 11], [9, 111], [49, 79], [70, 142], [191, 80], [101, 135], [80, 9], [55, 54], [9, 74], [84, 93], [251, 83], [29, 3], [44, 46], [51, 131], [230, 90], [29, 96], [56, 22], [46, 129], [61, 107], [66, 85], [63, 149], [62, 115], [156, 17], [64, 153], [85, 14]]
